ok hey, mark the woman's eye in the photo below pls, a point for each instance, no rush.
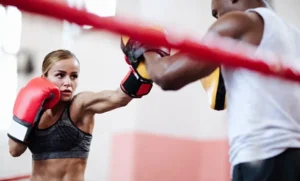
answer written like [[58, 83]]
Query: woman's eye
[[74, 76], [59, 75], [215, 13]]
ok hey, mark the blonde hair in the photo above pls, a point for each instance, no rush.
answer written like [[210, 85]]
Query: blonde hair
[[55, 56]]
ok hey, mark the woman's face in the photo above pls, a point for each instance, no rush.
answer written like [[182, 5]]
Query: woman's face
[[64, 74]]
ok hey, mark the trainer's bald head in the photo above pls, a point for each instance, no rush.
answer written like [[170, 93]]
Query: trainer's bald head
[[220, 7]]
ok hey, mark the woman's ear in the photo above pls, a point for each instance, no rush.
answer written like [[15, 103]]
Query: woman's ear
[[43, 76]]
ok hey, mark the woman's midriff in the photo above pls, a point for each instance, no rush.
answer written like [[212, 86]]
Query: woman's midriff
[[69, 169]]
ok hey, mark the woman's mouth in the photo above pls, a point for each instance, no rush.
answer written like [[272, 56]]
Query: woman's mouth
[[66, 92]]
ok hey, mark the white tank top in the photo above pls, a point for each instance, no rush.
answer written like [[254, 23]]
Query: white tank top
[[264, 112]]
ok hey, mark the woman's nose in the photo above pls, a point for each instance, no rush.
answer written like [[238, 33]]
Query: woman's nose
[[67, 81]]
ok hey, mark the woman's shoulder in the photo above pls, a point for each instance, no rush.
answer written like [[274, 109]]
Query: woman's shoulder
[[78, 101], [78, 113], [76, 107], [81, 97]]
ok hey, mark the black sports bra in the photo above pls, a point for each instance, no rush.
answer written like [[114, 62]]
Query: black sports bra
[[61, 140]]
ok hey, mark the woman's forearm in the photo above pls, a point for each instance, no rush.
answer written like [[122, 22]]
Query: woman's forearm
[[16, 149]]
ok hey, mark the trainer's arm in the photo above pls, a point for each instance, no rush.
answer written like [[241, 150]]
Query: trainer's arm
[[16, 149], [176, 71], [103, 101]]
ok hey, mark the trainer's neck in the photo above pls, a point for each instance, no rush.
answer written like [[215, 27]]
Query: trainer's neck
[[258, 4]]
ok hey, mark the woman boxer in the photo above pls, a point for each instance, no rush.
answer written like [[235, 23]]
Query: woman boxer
[[57, 126]]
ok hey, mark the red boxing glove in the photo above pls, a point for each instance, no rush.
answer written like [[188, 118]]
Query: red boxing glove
[[33, 99], [135, 85], [126, 60]]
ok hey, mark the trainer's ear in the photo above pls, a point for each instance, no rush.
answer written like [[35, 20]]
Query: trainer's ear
[[43, 76]]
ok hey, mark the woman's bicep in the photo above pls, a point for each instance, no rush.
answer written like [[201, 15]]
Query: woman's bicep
[[104, 101]]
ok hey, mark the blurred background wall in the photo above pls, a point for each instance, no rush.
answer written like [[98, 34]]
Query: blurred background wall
[[165, 135]]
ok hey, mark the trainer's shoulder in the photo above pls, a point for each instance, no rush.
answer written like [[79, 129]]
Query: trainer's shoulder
[[237, 18], [232, 24], [236, 23]]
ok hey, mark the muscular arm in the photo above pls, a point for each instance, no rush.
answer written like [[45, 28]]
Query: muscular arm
[[176, 71], [94, 103], [103, 101]]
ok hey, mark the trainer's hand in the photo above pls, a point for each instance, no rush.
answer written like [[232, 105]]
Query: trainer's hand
[[38, 95], [134, 51]]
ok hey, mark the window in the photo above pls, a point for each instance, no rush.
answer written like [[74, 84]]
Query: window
[[13, 26], [10, 39], [3, 22], [101, 8]]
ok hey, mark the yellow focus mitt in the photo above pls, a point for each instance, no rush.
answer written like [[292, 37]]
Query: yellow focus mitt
[[215, 89]]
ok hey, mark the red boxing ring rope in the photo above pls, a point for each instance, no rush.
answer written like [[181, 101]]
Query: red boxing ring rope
[[199, 48], [21, 177]]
